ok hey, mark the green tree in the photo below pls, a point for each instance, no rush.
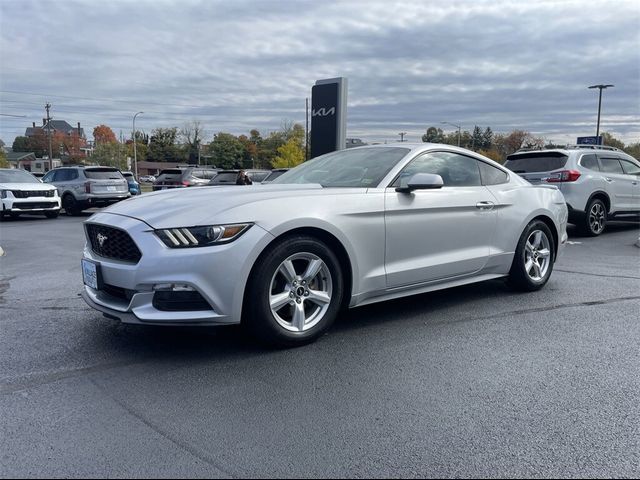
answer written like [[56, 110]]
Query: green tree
[[226, 150], [269, 147], [487, 138], [191, 135], [21, 144], [435, 135], [633, 149], [162, 145], [289, 155], [112, 154], [477, 139]]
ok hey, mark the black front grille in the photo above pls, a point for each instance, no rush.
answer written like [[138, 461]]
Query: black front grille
[[112, 242], [32, 193], [118, 292], [34, 205]]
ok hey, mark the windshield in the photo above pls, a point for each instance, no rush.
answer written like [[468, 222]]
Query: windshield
[[17, 176], [102, 174], [360, 167]]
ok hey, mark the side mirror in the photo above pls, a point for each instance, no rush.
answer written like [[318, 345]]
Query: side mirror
[[422, 181]]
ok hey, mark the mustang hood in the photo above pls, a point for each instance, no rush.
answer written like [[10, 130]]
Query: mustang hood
[[182, 207]]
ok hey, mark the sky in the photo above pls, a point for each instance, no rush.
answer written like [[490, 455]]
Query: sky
[[243, 64]]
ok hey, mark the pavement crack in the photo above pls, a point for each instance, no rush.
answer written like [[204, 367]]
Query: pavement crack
[[556, 307], [37, 380], [164, 433], [596, 274]]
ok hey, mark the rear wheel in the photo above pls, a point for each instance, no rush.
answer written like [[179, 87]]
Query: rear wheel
[[295, 292], [534, 258], [70, 205], [595, 219]]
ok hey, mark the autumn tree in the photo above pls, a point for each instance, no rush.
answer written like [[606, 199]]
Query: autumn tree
[[289, 155], [4, 163], [103, 134]]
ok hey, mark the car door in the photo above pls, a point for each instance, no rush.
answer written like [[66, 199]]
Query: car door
[[439, 233], [633, 171], [619, 185]]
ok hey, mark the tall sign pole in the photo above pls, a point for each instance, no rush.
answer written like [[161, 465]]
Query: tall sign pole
[[328, 116]]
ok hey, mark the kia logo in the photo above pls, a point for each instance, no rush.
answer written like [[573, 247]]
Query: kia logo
[[323, 112], [101, 239]]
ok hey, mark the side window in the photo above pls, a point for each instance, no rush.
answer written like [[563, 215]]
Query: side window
[[73, 174], [590, 162], [63, 175], [49, 176], [611, 165], [630, 168], [491, 175], [456, 170]]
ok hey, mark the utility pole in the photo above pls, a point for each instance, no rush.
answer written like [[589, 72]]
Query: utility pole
[[600, 87], [47, 107], [402, 134]]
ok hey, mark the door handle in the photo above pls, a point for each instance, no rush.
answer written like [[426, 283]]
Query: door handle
[[485, 205], [608, 179]]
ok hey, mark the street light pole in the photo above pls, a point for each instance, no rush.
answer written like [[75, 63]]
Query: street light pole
[[402, 134], [454, 125], [135, 150], [599, 87]]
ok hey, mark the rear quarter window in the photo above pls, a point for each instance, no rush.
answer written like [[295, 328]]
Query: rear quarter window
[[590, 162], [536, 162], [491, 175], [629, 167]]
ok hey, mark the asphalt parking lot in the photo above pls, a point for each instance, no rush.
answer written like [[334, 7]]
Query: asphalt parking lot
[[472, 382]]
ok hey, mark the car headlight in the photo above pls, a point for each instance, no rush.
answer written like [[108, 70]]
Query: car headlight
[[206, 236]]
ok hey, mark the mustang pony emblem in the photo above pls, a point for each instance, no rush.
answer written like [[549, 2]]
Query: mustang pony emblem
[[101, 239]]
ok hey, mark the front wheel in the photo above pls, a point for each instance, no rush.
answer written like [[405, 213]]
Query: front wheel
[[70, 205], [295, 292], [534, 258]]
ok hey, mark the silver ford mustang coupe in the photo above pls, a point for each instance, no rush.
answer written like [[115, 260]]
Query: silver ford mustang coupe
[[346, 229]]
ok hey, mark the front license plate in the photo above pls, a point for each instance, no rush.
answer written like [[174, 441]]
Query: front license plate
[[111, 188], [91, 274]]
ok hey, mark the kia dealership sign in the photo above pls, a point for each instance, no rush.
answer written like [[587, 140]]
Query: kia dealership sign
[[328, 116]]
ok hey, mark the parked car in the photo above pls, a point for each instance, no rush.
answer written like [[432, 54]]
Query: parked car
[[598, 182], [147, 179], [134, 187], [38, 175], [83, 187], [181, 177], [349, 228], [21, 192], [275, 173], [229, 177]]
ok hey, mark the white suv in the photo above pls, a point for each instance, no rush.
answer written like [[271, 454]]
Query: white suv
[[597, 182]]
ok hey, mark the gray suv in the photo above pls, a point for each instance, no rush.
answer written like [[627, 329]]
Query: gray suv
[[82, 187], [597, 182]]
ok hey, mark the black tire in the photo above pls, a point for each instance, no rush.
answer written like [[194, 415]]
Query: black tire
[[52, 214], [522, 278], [594, 221], [70, 205], [259, 318], [14, 216]]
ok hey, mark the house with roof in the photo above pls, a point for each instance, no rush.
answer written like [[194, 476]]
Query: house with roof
[[70, 142]]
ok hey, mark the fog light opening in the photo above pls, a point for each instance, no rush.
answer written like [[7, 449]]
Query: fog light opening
[[173, 287]]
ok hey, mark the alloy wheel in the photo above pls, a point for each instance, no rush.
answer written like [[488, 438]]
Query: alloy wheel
[[597, 218], [300, 292], [537, 255]]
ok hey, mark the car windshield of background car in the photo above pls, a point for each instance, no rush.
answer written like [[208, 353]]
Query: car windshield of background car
[[17, 176], [361, 167]]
